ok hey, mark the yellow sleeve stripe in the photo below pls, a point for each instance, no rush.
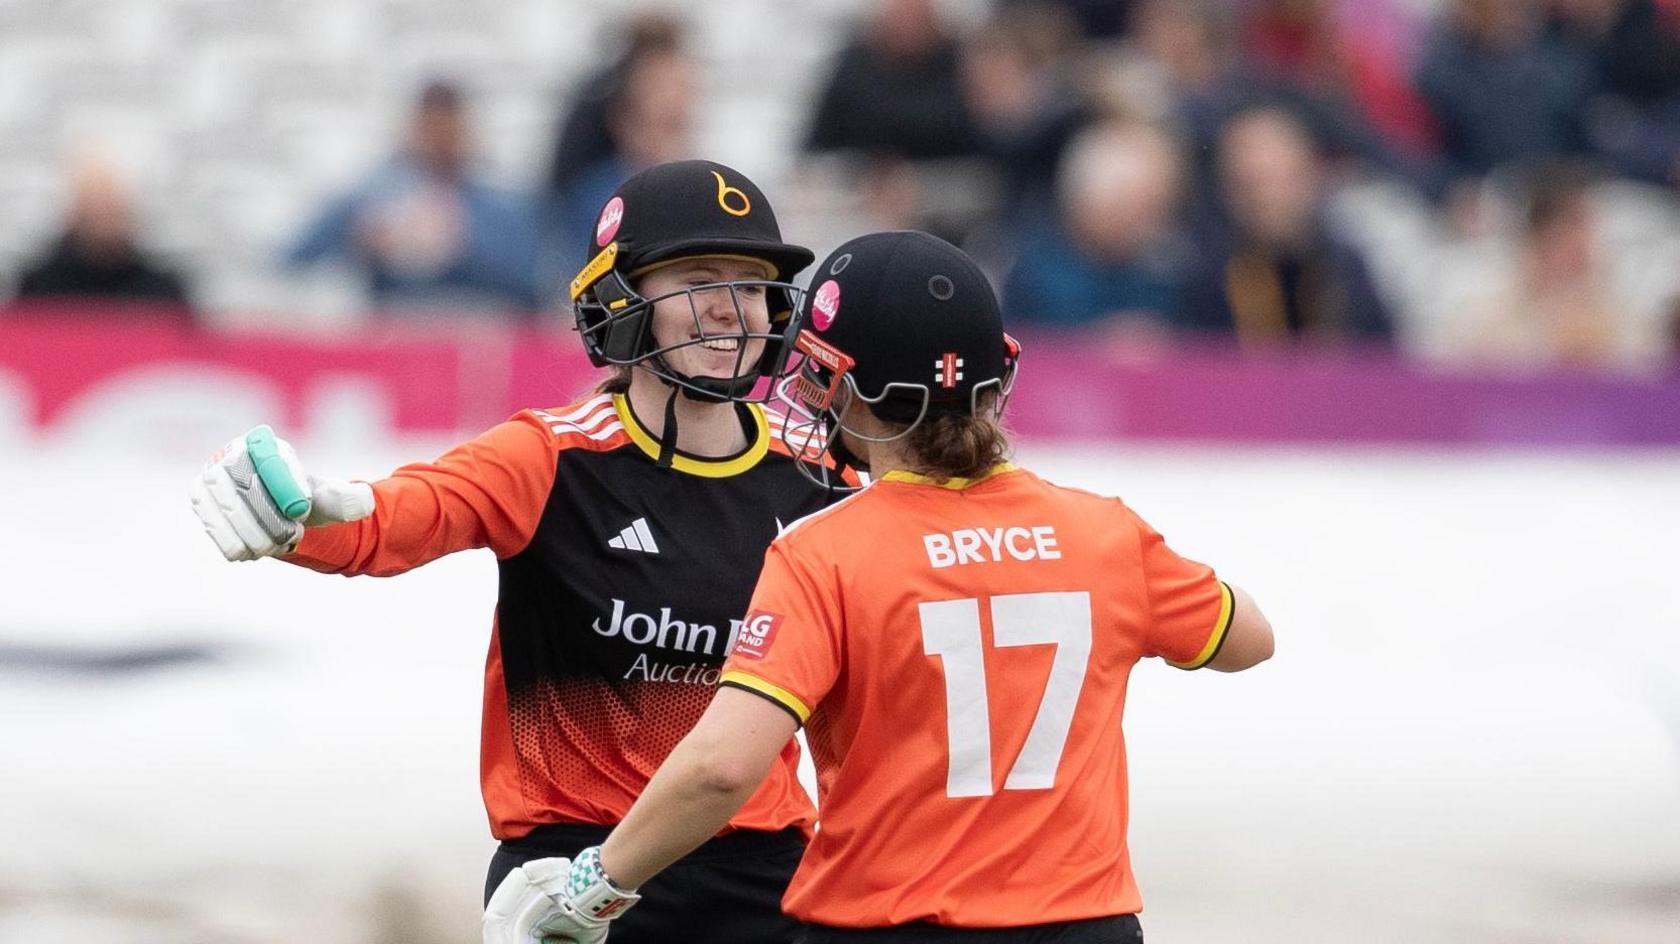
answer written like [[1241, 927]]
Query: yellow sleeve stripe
[[775, 693], [1220, 628]]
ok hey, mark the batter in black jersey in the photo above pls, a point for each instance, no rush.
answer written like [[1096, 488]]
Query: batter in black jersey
[[629, 527]]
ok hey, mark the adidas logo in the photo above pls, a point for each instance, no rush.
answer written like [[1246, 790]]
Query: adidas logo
[[636, 537]]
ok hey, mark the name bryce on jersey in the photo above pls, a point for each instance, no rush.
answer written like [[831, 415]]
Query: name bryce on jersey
[[991, 545]]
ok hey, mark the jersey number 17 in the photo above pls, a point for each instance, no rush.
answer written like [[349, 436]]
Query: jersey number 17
[[951, 631]]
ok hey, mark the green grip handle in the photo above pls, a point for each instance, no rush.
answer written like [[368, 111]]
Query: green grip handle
[[276, 476]]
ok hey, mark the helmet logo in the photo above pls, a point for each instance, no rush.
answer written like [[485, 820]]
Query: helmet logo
[[949, 370], [611, 216], [597, 267], [726, 194], [825, 305]]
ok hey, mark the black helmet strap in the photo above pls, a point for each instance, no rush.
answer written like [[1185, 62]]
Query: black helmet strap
[[699, 389], [668, 436]]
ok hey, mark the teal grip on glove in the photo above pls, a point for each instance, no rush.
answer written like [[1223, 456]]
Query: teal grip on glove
[[276, 476]]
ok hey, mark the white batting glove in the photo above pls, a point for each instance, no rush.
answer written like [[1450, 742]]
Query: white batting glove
[[255, 500], [556, 901]]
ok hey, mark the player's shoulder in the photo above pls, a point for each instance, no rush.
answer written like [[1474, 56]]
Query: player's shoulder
[[814, 532], [1070, 499], [592, 423], [1059, 491]]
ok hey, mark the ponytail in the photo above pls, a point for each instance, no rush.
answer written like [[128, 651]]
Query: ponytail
[[958, 446]]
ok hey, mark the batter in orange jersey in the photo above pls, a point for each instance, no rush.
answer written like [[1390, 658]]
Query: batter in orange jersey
[[962, 675]]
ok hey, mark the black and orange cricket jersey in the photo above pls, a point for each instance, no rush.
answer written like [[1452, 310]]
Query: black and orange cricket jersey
[[622, 589]]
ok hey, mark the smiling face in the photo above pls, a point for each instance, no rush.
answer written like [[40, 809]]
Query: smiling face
[[718, 318]]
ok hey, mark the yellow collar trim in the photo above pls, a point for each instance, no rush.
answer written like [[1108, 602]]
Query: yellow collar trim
[[705, 468], [916, 478]]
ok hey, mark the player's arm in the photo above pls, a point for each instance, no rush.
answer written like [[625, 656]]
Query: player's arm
[[1248, 640], [785, 660], [488, 492], [706, 780], [255, 500], [1197, 620]]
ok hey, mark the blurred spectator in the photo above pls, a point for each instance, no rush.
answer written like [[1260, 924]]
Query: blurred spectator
[[97, 256], [650, 120], [1310, 44], [1025, 104], [895, 89], [892, 195], [424, 232], [586, 134], [1558, 308], [1280, 271], [1112, 254], [1193, 45], [1499, 90], [1634, 49]]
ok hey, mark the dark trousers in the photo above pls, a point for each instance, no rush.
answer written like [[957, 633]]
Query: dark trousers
[[1120, 929], [729, 891]]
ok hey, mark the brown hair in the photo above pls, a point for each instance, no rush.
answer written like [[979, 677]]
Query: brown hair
[[617, 382], [958, 446]]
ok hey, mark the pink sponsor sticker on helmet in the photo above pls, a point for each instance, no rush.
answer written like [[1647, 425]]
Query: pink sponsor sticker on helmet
[[611, 216], [825, 305]]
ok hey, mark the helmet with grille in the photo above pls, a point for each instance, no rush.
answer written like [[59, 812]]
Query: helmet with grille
[[916, 321], [905, 323], [676, 211]]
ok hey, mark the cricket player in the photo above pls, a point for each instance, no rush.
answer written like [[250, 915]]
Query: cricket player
[[628, 526]]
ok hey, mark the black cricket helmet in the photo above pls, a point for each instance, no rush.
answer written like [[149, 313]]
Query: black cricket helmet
[[908, 324], [674, 211]]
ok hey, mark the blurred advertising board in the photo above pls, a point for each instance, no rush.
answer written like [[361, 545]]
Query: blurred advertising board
[[70, 378]]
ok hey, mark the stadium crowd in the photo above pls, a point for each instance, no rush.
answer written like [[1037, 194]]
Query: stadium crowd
[[1144, 170]]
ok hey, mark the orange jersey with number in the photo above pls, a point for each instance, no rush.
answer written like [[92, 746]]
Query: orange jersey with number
[[959, 655]]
